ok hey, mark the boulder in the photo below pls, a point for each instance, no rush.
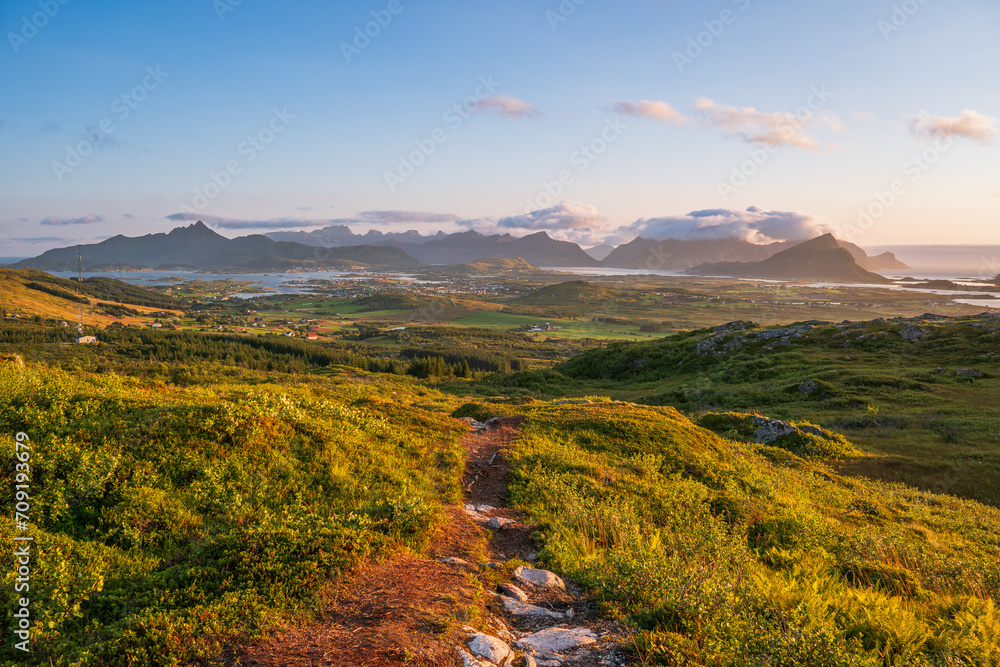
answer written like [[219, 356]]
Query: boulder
[[457, 562], [969, 373], [490, 648], [514, 592], [469, 660], [771, 430], [540, 578], [808, 387], [499, 523], [518, 608], [558, 640], [911, 331]]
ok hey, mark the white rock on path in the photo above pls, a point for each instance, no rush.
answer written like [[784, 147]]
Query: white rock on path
[[469, 660], [542, 578], [558, 640], [451, 560], [514, 592], [476, 516], [490, 648], [499, 523], [518, 608]]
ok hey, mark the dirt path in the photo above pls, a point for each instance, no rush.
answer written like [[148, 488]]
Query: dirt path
[[412, 611]]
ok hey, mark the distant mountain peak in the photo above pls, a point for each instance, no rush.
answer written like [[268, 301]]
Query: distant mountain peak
[[197, 229]]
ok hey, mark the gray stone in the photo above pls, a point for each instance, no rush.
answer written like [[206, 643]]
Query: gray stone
[[469, 660], [490, 648], [912, 332], [732, 326], [808, 387], [772, 430], [969, 373], [451, 560], [558, 640], [499, 523], [514, 592], [476, 516], [518, 608], [541, 578]]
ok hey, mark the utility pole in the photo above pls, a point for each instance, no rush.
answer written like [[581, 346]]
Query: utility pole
[[79, 278]]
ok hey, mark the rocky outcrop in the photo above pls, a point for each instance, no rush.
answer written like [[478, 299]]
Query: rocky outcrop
[[911, 331]]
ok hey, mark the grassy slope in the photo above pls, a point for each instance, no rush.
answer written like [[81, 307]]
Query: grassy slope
[[732, 554], [931, 429], [15, 297], [172, 523]]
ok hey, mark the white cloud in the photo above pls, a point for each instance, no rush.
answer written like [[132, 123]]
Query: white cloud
[[757, 127], [754, 225], [566, 221], [970, 125], [653, 110], [507, 106]]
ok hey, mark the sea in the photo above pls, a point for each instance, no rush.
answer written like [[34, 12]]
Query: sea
[[297, 283]]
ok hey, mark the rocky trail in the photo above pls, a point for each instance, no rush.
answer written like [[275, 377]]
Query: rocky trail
[[431, 612]]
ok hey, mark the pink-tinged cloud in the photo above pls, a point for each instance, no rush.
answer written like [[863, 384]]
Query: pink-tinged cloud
[[397, 217], [754, 225], [970, 125], [653, 110], [53, 221], [566, 221], [507, 106], [780, 128]]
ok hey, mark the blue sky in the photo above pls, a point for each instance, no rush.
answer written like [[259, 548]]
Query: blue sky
[[888, 82]]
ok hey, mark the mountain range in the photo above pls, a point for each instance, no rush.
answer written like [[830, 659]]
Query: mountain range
[[824, 258], [199, 248]]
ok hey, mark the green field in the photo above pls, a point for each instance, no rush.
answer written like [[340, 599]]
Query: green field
[[192, 490]]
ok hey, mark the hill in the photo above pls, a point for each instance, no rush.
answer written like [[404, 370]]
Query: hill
[[822, 259], [492, 265], [724, 551], [198, 247], [675, 255], [30, 292], [573, 292], [539, 249], [672, 254]]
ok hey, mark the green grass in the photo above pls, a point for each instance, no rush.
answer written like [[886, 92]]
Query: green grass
[[931, 429], [723, 553], [173, 524]]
